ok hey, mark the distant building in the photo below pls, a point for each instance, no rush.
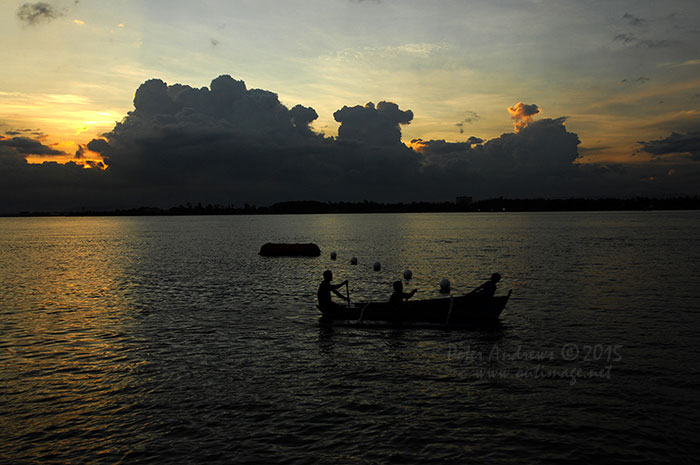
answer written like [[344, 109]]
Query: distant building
[[464, 200]]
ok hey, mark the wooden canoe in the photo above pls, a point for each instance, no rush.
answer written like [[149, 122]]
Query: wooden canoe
[[466, 310]]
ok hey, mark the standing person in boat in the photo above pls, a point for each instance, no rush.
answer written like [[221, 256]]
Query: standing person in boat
[[399, 296], [488, 289], [325, 302]]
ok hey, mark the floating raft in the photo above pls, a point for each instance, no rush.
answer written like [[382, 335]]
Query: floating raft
[[272, 249]]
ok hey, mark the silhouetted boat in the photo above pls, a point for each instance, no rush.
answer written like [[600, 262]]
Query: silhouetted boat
[[466, 310]]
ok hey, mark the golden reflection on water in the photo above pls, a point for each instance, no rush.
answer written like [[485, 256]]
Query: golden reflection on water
[[172, 335], [66, 356]]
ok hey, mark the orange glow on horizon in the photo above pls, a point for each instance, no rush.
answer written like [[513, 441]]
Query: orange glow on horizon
[[86, 163], [416, 144], [72, 152]]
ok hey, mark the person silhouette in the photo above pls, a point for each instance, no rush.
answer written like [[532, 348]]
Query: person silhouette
[[399, 296], [488, 289], [325, 302]]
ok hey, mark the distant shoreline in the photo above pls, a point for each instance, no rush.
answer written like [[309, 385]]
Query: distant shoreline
[[316, 207]]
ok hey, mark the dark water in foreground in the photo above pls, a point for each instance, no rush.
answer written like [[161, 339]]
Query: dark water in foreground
[[169, 340]]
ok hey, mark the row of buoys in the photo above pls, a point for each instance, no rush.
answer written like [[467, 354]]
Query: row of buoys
[[353, 261], [407, 274]]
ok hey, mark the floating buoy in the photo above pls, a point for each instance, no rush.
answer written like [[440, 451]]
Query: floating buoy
[[377, 266], [445, 286], [334, 255], [408, 274], [353, 261]]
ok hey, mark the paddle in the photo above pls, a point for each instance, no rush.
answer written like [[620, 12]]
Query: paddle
[[347, 291]]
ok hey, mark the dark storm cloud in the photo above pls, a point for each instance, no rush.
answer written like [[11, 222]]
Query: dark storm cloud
[[541, 161], [536, 161], [372, 125], [676, 143], [50, 186], [34, 13], [46, 186], [544, 147], [226, 143], [302, 116], [230, 144], [98, 145], [26, 146]]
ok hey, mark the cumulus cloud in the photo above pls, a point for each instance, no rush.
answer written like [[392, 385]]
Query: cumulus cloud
[[226, 144], [302, 116], [685, 144], [97, 145], [538, 158], [229, 144], [372, 125], [522, 114], [35, 13]]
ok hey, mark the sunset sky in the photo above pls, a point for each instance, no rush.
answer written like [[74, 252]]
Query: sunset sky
[[620, 72]]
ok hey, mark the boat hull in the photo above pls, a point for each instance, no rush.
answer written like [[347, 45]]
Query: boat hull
[[467, 310]]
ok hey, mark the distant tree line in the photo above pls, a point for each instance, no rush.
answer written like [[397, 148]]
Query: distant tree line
[[490, 205]]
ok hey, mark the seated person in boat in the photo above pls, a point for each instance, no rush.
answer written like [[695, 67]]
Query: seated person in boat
[[324, 292], [399, 296], [488, 289]]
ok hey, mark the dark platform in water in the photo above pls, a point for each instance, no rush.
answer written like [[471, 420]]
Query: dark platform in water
[[464, 311], [272, 249]]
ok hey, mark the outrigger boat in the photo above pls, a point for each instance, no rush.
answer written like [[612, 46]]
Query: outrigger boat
[[466, 310]]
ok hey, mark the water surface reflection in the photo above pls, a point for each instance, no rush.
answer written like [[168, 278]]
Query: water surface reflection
[[170, 339]]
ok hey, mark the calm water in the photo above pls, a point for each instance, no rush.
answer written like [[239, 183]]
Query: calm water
[[169, 340]]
